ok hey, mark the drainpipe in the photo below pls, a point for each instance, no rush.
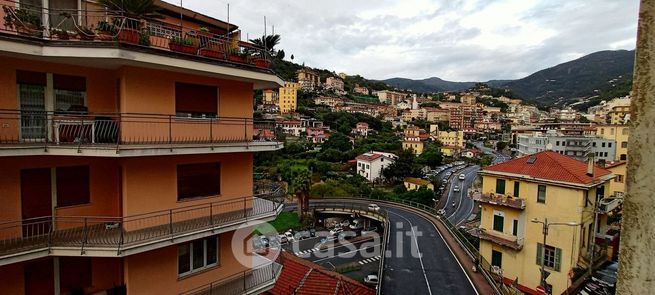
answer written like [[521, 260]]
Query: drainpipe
[[637, 245]]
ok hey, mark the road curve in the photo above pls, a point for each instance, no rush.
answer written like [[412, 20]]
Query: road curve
[[434, 271]]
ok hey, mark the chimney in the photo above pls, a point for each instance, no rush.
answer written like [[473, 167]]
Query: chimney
[[590, 166]]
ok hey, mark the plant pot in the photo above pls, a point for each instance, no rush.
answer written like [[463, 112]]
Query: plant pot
[[87, 37], [238, 58], [182, 48], [128, 36], [28, 30], [105, 35], [262, 63], [212, 53]]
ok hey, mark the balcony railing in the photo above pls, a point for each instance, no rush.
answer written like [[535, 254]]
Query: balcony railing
[[120, 233], [513, 242], [86, 27], [252, 281], [499, 200], [111, 129]]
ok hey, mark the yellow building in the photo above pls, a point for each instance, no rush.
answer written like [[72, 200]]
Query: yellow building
[[271, 96], [288, 97], [412, 183], [619, 133], [449, 151], [619, 114], [452, 138], [543, 186], [413, 144], [617, 186], [308, 78]]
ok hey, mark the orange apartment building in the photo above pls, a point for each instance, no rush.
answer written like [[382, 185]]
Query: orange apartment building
[[127, 166]]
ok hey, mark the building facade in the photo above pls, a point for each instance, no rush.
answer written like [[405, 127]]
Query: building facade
[[371, 164], [451, 138], [618, 133], [125, 167], [308, 79], [288, 97], [542, 187], [390, 97]]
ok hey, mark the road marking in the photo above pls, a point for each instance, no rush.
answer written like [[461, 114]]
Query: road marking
[[345, 253], [420, 256], [461, 194], [305, 252], [369, 260]]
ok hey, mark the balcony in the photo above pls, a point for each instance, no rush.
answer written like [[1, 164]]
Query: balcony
[[105, 28], [100, 236], [512, 242], [499, 200], [116, 135], [252, 281]]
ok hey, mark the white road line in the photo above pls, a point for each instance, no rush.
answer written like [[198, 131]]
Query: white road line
[[349, 252], [461, 195], [420, 256]]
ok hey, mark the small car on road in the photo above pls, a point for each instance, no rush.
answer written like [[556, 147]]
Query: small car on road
[[373, 207], [462, 176], [456, 188], [371, 279]]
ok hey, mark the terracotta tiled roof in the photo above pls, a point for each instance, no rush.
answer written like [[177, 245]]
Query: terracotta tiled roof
[[551, 166], [416, 181], [302, 277], [368, 157]]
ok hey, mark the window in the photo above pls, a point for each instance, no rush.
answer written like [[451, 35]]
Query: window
[[198, 180], [619, 178], [196, 101], [624, 157], [515, 227], [72, 186], [500, 186], [625, 131], [593, 144], [611, 131], [551, 256], [496, 258], [624, 144], [557, 143], [499, 221], [516, 189], [541, 194], [584, 239], [609, 144], [602, 144], [197, 255], [70, 93], [160, 30]]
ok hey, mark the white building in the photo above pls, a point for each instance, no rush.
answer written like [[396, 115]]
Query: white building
[[371, 164]]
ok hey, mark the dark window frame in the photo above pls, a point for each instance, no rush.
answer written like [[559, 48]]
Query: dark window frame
[[193, 182], [541, 194], [73, 187]]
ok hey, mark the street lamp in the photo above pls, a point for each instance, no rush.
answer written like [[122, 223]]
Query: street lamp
[[544, 228]]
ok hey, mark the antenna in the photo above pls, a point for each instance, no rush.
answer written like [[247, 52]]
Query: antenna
[[264, 37], [227, 34], [181, 17]]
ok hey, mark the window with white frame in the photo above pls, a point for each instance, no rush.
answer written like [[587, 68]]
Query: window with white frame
[[197, 255]]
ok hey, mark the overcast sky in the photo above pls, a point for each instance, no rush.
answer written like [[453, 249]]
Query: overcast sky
[[457, 40]]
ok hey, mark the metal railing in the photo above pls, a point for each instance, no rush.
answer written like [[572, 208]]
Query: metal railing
[[103, 27], [499, 199], [118, 233], [245, 282], [115, 129], [381, 214], [484, 266]]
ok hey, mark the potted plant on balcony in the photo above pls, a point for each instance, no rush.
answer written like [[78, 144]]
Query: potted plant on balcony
[[261, 62], [106, 31], [144, 37], [86, 33], [24, 21], [238, 55], [129, 16], [214, 48], [184, 45], [60, 34]]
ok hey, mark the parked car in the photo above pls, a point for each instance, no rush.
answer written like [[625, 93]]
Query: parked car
[[373, 207], [335, 231], [289, 236], [371, 279], [264, 240], [301, 235], [345, 223], [347, 235], [312, 232], [357, 224], [369, 230], [283, 239]]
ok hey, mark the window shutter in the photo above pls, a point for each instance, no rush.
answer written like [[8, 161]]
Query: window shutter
[[558, 258], [540, 250]]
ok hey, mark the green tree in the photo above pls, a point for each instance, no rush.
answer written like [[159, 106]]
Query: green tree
[[431, 156], [402, 167], [501, 145], [298, 178], [486, 160], [337, 141]]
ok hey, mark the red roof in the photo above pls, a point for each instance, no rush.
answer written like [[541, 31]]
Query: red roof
[[302, 277], [368, 158], [551, 166]]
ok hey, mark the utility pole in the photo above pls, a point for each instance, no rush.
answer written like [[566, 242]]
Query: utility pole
[[544, 229]]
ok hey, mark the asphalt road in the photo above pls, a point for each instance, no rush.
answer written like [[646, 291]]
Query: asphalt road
[[434, 271], [459, 205]]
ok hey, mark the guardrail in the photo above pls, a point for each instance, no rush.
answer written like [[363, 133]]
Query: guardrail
[[245, 282], [118, 233], [381, 213], [81, 129], [103, 27], [483, 266]]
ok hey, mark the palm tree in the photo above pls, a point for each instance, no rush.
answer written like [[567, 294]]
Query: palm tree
[[267, 42], [133, 8], [298, 178]]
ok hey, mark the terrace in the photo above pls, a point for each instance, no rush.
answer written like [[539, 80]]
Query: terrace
[[99, 27], [125, 134], [512, 242], [100, 236]]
